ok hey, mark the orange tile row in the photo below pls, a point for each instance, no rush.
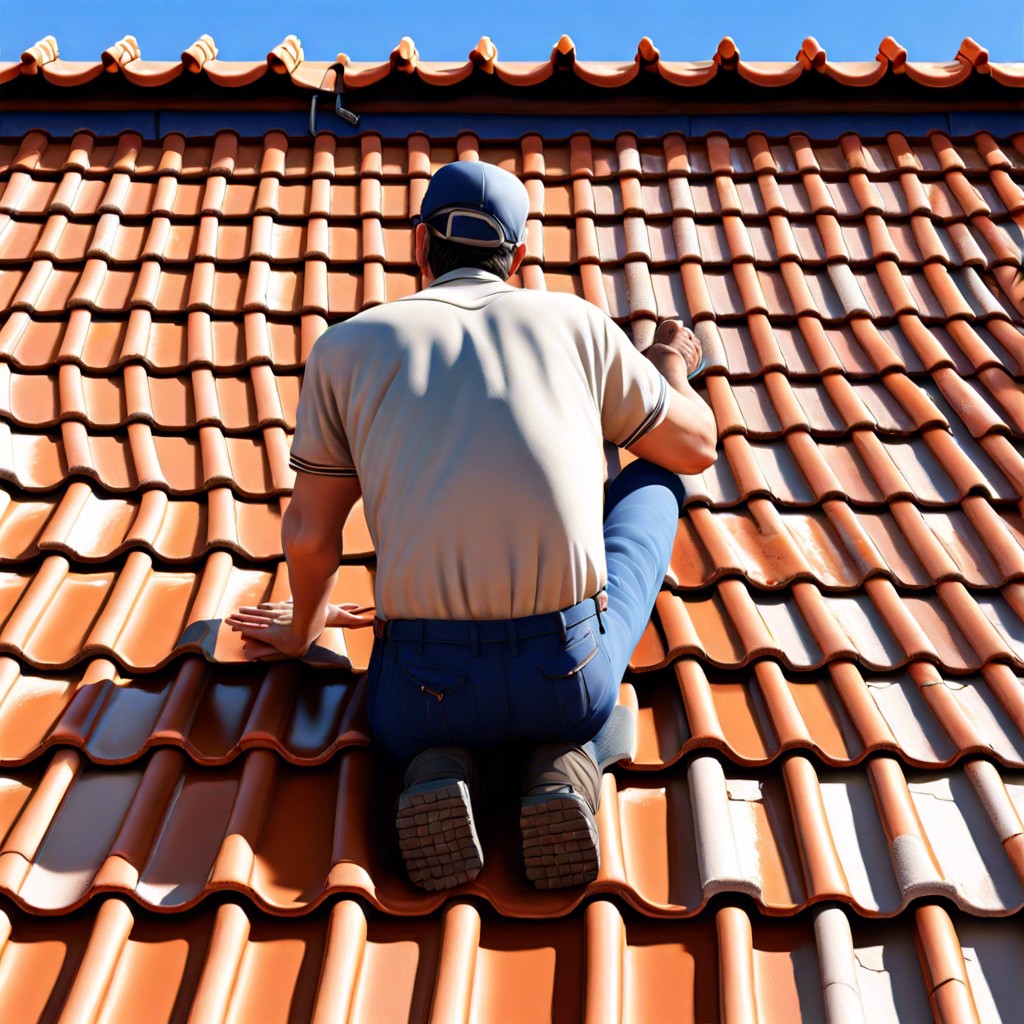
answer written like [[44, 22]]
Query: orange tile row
[[859, 348], [44, 288], [237, 403], [741, 348], [169, 833], [633, 291], [658, 240], [835, 546], [774, 404], [216, 713], [894, 404], [124, 57], [842, 714], [54, 616], [731, 624], [933, 468], [163, 346], [839, 547], [228, 155], [86, 526], [118, 963], [138, 459], [914, 198], [213, 713]]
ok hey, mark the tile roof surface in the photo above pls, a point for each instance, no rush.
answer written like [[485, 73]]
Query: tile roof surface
[[124, 58], [823, 817]]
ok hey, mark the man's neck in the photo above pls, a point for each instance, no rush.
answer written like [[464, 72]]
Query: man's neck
[[465, 274]]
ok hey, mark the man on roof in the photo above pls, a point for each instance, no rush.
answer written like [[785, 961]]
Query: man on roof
[[471, 418]]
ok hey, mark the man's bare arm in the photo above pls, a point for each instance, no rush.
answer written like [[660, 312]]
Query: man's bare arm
[[684, 442], [311, 536]]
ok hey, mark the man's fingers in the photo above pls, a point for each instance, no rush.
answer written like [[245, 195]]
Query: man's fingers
[[674, 335], [247, 620], [256, 651], [253, 629], [358, 623], [266, 611]]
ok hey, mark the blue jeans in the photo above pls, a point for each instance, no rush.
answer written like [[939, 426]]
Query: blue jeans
[[543, 678]]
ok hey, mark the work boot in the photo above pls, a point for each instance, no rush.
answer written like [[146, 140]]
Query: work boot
[[560, 842], [436, 831]]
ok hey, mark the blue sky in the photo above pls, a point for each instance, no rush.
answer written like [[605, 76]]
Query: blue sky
[[525, 30]]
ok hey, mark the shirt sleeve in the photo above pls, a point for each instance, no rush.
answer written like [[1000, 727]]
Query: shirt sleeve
[[320, 445], [635, 396]]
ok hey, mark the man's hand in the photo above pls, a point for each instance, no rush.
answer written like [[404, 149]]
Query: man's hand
[[267, 629], [684, 442], [265, 637], [343, 616], [674, 336]]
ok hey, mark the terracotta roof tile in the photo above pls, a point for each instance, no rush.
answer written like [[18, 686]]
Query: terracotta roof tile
[[828, 697], [732, 961], [887, 853]]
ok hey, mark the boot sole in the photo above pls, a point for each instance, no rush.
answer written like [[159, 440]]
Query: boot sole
[[560, 841], [437, 835]]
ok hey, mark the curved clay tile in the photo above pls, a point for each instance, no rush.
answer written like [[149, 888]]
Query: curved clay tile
[[770, 74], [121, 53], [484, 54], [647, 53], [939, 75], [728, 54], [1007, 74], [234, 73], [405, 57], [444, 74], [857, 73], [359, 75], [286, 56], [152, 72], [895, 54], [202, 50], [974, 54], [687, 73], [72, 72], [812, 54], [521, 73], [563, 53], [44, 52], [606, 75]]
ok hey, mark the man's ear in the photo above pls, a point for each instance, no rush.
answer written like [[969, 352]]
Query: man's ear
[[517, 258], [422, 245]]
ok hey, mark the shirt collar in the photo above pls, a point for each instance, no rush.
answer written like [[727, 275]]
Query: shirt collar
[[466, 274]]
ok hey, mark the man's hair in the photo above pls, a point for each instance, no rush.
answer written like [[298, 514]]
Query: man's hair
[[443, 256]]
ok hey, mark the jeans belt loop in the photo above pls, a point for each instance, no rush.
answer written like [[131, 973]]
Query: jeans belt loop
[[379, 628], [419, 638], [565, 628], [599, 600], [513, 639], [474, 638]]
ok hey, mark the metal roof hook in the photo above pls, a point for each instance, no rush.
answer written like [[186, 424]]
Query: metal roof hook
[[346, 115], [339, 91]]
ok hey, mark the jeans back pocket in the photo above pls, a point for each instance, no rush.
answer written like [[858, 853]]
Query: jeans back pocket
[[439, 704], [565, 668]]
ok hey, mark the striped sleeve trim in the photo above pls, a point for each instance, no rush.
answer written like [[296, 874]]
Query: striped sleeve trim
[[652, 417], [312, 467]]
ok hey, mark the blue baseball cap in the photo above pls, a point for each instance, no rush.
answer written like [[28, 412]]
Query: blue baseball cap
[[476, 204]]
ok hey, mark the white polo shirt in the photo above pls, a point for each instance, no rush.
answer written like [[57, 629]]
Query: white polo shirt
[[473, 414]]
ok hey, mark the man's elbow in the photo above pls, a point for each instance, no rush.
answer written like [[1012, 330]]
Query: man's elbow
[[301, 540], [698, 455]]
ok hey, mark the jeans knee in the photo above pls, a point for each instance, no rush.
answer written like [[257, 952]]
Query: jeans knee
[[641, 474]]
